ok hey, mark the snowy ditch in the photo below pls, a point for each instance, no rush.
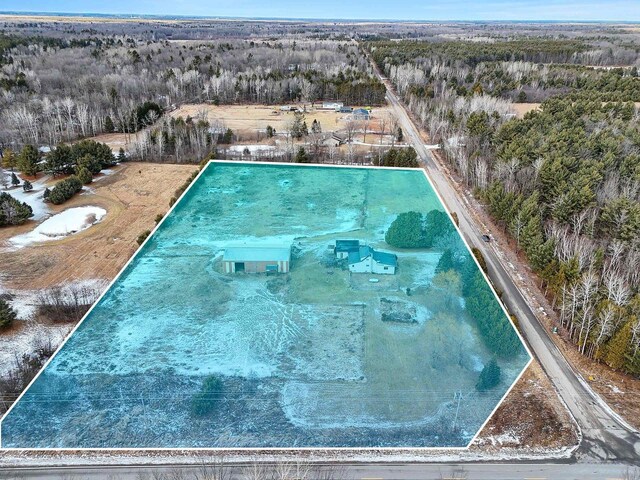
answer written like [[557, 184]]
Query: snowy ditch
[[68, 222]]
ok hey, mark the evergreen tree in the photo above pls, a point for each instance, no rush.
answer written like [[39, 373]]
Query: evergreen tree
[[298, 126], [84, 175], [617, 348], [64, 190], [446, 262], [270, 131], [28, 160], [489, 377], [108, 125], [59, 160], [406, 231], [12, 211], [7, 314], [26, 186], [15, 181], [302, 156], [9, 159], [207, 399], [122, 156], [88, 162], [227, 138]]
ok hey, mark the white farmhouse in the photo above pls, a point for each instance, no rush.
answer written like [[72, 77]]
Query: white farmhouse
[[368, 260]]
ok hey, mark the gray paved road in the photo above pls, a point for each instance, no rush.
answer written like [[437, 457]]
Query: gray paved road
[[482, 471], [605, 436]]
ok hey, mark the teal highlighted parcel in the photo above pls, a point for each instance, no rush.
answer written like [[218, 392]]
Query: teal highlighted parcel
[[284, 306]]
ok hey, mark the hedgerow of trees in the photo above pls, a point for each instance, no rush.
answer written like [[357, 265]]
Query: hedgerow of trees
[[65, 189], [399, 157]]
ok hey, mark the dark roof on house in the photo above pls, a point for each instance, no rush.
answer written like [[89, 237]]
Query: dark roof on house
[[384, 258], [347, 245], [361, 112], [356, 256], [338, 136]]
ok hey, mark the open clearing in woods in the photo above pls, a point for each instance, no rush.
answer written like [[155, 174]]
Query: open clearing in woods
[[247, 120], [250, 118]]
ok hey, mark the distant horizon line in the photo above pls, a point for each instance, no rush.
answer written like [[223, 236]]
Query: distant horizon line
[[295, 19]]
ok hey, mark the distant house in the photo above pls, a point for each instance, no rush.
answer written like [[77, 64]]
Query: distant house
[[368, 260], [257, 259], [344, 247], [334, 140], [332, 105], [361, 114]]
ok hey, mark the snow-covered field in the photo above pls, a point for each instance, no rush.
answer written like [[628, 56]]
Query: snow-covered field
[[68, 222]]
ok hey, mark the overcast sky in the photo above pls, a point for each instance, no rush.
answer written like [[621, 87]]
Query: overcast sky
[[621, 10]]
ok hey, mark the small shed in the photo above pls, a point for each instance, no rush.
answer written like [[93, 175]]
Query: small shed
[[334, 140], [257, 259]]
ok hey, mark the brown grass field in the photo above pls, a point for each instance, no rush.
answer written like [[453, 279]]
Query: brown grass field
[[132, 196], [522, 108], [247, 120], [531, 415], [258, 117]]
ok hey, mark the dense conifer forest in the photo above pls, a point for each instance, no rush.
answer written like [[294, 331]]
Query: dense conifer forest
[[563, 180]]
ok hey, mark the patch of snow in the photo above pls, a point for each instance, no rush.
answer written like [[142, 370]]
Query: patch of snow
[[31, 334], [615, 389], [34, 458], [504, 438], [252, 148], [26, 341], [477, 363], [65, 223], [33, 198]]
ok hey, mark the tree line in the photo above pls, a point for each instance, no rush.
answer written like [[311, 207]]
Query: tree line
[[126, 84]]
